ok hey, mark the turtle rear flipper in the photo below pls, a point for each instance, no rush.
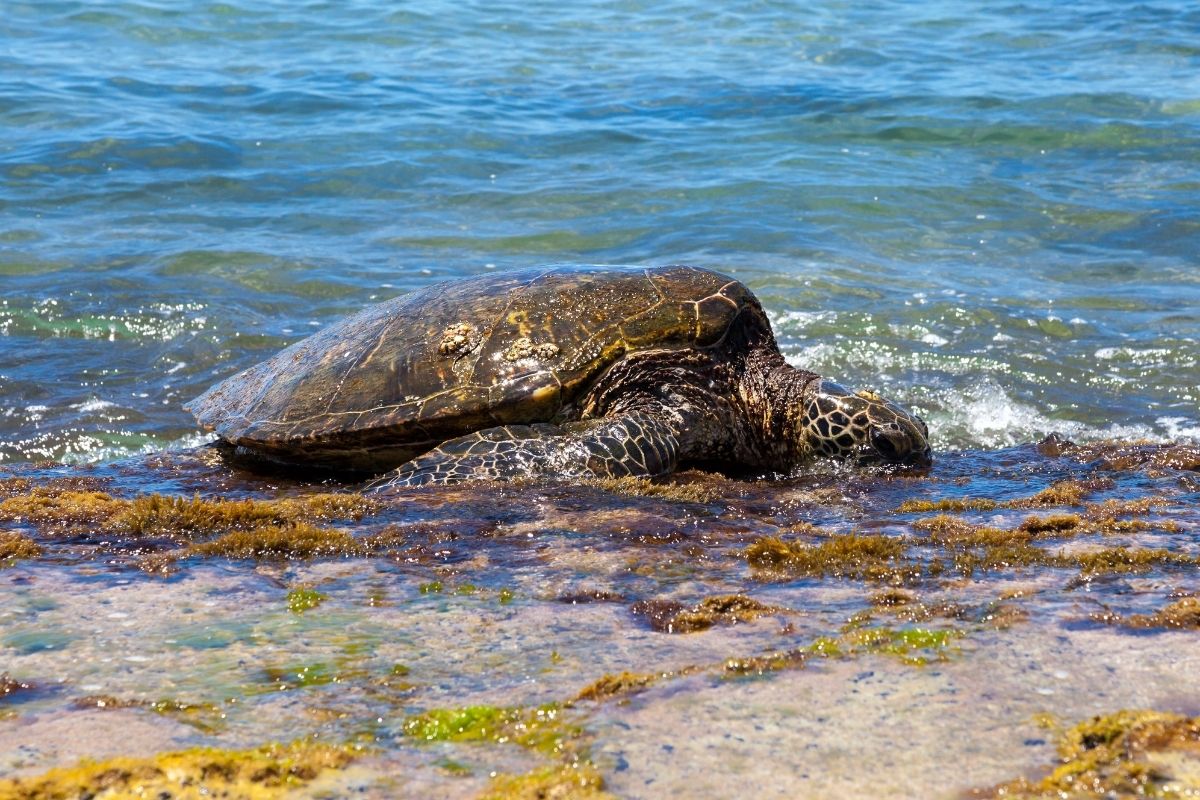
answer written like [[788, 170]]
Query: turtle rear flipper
[[637, 444]]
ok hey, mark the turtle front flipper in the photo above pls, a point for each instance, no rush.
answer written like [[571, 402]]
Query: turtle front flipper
[[638, 444]]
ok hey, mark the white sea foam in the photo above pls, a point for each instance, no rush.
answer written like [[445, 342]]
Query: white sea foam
[[985, 416], [93, 405], [1145, 356], [798, 320], [1180, 427], [87, 449], [975, 401]]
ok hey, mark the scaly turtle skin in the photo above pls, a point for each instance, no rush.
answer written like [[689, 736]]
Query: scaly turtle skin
[[563, 371]]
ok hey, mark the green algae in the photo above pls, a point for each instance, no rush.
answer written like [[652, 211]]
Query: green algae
[[541, 728], [269, 771], [1134, 753], [303, 599], [916, 646], [470, 723], [579, 781], [910, 645], [826, 647], [301, 676]]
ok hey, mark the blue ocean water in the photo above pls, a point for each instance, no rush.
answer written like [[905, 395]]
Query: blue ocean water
[[989, 211]]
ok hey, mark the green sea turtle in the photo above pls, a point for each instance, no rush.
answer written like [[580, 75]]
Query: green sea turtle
[[560, 371]]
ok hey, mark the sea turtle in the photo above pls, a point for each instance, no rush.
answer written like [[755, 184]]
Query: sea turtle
[[560, 371]]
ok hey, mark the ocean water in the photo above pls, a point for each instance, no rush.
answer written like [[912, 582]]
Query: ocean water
[[988, 211]]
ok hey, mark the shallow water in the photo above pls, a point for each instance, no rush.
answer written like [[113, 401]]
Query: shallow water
[[987, 211], [925, 677]]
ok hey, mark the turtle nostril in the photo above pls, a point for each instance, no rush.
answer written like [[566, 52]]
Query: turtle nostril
[[884, 443]]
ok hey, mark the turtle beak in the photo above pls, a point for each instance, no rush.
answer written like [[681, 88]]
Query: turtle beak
[[893, 445]]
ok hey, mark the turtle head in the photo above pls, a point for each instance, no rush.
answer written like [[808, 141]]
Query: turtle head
[[862, 426]]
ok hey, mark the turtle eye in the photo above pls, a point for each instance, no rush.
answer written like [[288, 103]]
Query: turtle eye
[[885, 444]]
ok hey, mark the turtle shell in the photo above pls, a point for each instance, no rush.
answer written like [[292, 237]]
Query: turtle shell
[[401, 377]]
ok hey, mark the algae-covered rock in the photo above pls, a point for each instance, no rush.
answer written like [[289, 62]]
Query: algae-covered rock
[[49, 506], [281, 542], [264, 772], [570, 782], [154, 513], [1119, 454], [10, 685], [1126, 754], [14, 546], [667, 616], [624, 684], [1061, 493], [862, 556], [1182, 614], [53, 506], [679, 492]]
